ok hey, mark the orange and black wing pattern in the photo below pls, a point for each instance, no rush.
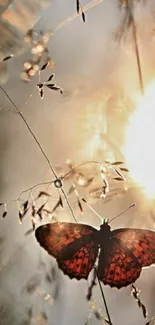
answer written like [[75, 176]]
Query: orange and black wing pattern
[[72, 245], [81, 263], [140, 242], [118, 268], [129, 250]]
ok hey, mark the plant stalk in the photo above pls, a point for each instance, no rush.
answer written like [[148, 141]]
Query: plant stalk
[[104, 300], [134, 29], [40, 147]]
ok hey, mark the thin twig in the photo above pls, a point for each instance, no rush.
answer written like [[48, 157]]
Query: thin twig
[[51, 181], [8, 110], [80, 165], [104, 300], [40, 147], [30, 130], [69, 204], [136, 47], [61, 177], [34, 186], [65, 22], [88, 6], [89, 206]]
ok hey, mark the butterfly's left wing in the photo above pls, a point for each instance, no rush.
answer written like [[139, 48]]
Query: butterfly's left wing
[[72, 245], [129, 250]]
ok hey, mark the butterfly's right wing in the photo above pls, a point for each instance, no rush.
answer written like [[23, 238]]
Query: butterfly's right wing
[[128, 251], [116, 267], [140, 242], [72, 245]]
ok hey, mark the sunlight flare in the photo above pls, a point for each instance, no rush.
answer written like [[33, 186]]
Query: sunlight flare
[[139, 149]]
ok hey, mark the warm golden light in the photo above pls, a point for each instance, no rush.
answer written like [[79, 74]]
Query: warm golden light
[[139, 150], [91, 126]]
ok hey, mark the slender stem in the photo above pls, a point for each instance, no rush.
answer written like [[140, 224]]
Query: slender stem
[[69, 204], [104, 300], [40, 147], [8, 110], [65, 22], [52, 181], [136, 48], [80, 165], [103, 296], [138, 58], [89, 206], [30, 130], [34, 186]]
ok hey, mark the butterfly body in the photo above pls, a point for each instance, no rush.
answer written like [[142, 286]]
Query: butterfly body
[[122, 252]]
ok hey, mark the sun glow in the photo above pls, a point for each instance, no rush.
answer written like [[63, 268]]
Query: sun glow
[[139, 150], [91, 126]]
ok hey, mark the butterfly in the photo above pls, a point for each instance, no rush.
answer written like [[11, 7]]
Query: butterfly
[[121, 253]]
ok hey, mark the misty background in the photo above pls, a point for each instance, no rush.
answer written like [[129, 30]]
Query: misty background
[[88, 64]]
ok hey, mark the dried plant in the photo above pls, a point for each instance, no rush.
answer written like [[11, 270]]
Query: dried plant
[[42, 85], [40, 206], [37, 44], [129, 25], [135, 293], [79, 8]]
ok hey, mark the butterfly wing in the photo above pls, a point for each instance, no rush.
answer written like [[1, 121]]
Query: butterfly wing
[[140, 242], [128, 251], [72, 245], [81, 263]]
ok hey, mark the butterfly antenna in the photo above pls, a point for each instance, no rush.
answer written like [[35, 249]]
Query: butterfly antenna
[[89, 206], [131, 206]]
